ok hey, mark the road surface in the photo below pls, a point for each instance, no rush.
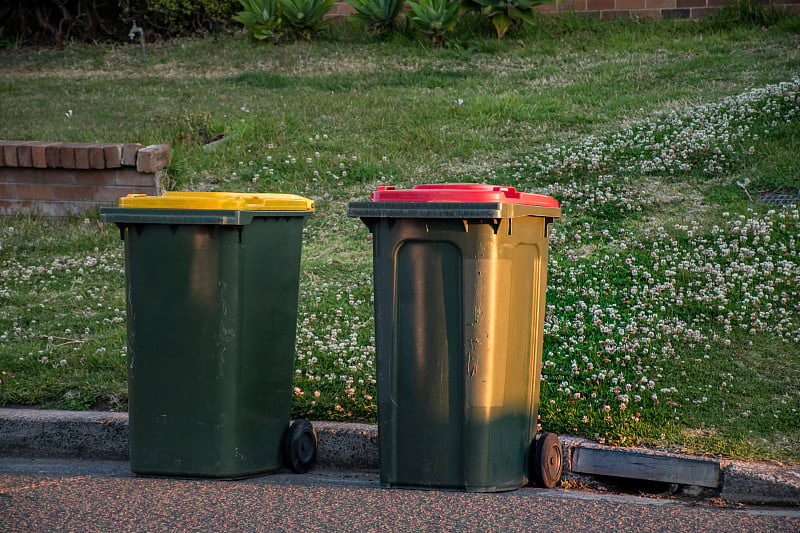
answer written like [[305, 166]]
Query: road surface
[[69, 495]]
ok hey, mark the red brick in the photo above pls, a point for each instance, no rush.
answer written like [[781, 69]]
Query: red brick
[[12, 207], [9, 207], [76, 155], [7, 190], [599, 5], [134, 178], [52, 156], [24, 155], [39, 154], [129, 152], [49, 209], [75, 192], [97, 158], [10, 155], [153, 158], [76, 208], [676, 13], [346, 10], [150, 191], [37, 191], [113, 155], [650, 14], [573, 5], [615, 14], [95, 177], [113, 194], [82, 158], [18, 175], [700, 12], [660, 4], [691, 3], [66, 156], [61, 176]]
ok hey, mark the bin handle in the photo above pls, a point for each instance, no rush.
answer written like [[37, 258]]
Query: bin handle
[[509, 192]]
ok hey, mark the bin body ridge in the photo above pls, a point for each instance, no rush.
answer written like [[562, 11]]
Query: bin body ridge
[[459, 307]]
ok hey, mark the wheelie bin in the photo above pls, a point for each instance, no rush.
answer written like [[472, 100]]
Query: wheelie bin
[[460, 275], [212, 286]]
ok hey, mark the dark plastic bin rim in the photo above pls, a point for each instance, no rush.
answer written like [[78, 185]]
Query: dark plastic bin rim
[[123, 215], [461, 210]]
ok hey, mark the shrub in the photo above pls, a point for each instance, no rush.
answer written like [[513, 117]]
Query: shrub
[[306, 17], [436, 17], [52, 22], [261, 18], [185, 16], [504, 13], [376, 15], [48, 22]]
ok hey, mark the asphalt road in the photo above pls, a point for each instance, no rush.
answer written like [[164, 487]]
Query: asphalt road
[[70, 495]]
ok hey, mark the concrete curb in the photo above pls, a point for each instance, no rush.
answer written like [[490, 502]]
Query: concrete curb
[[350, 446], [64, 434]]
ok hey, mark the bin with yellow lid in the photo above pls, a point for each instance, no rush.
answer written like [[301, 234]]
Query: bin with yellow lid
[[212, 287]]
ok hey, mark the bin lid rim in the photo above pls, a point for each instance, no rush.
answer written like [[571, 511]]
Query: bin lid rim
[[216, 201], [461, 193]]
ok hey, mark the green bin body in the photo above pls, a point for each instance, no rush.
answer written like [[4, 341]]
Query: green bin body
[[212, 313], [459, 312]]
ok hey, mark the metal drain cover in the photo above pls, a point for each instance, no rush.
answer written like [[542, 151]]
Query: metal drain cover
[[779, 198]]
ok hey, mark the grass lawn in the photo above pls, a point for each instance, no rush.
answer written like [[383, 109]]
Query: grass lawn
[[673, 307]]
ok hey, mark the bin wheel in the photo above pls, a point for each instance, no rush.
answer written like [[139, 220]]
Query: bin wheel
[[300, 446], [547, 460]]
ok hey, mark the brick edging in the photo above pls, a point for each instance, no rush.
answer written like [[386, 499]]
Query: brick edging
[[84, 156], [63, 178]]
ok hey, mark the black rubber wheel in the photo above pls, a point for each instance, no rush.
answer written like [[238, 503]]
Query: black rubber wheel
[[546, 464], [300, 446]]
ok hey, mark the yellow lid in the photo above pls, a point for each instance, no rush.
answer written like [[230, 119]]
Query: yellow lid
[[234, 201]]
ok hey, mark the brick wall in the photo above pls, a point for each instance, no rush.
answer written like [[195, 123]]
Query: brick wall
[[654, 9], [611, 9], [57, 179]]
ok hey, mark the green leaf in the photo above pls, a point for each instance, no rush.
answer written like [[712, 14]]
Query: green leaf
[[306, 16], [436, 17], [260, 17], [525, 16], [501, 23]]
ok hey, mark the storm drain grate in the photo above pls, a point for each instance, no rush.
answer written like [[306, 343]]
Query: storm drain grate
[[779, 198]]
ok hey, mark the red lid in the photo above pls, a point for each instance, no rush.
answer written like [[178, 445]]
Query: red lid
[[461, 193]]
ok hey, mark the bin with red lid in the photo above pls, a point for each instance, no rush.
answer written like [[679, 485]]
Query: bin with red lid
[[460, 275]]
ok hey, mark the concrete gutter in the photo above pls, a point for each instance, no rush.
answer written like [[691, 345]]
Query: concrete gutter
[[350, 446]]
